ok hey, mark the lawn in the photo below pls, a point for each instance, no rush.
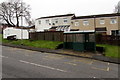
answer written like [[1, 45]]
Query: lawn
[[0, 38], [111, 50], [35, 43]]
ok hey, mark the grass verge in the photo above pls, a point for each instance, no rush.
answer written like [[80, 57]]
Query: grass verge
[[0, 38], [111, 50], [35, 43]]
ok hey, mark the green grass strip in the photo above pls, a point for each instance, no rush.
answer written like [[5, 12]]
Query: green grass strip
[[111, 50]]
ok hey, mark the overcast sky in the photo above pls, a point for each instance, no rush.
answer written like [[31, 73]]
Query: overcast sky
[[42, 8]]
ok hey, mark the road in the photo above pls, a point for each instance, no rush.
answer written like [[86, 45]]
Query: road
[[22, 63]]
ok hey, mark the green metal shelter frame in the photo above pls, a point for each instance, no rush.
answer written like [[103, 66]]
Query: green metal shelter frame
[[80, 41]]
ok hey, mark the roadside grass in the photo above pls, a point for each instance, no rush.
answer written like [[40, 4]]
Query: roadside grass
[[34, 43], [111, 50], [0, 38]]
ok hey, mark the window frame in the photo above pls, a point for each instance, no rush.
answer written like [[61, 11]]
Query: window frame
[[39, 21], [65, 20], [102, 21], [115, 32], [56, 21], [47, 21], [115, 21], [84, 22], [77, 23]]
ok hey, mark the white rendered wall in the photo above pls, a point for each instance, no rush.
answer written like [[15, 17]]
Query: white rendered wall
[[44, 25], [20, 33]]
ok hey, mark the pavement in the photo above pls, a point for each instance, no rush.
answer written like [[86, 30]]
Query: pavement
[[23, 63], [90, 55]]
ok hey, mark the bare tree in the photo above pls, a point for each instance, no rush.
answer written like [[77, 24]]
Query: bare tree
[[117, 8], [31, 22], [11, 12]]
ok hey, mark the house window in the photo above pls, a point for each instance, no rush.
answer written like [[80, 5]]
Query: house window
[[102, 21], [76, 23], [39, 21], [113, 21], [47, 21], [85, 22], [56, 20], [115, 32], [53, 23], [65, 20]]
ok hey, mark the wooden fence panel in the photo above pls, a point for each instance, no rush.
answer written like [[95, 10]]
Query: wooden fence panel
[[108, 39], [50, 36], [33, 36], [60, 36], [56, 36], [40, 36]]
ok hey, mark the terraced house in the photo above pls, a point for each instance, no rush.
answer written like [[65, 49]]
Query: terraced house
[[54, 23], [106, 24]]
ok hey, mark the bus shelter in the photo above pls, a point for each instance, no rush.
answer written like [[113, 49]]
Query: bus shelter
[[80, 41]]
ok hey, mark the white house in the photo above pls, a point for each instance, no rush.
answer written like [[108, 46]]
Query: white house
[[57, 23], [20, 33]]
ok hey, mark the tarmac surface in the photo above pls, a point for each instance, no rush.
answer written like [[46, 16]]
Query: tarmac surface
[[22, 63], [89, 55]]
